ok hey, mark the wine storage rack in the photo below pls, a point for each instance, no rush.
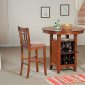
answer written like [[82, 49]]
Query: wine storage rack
[[67, 57]]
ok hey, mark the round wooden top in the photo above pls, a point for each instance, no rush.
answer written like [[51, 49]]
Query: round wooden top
[[74, 30]]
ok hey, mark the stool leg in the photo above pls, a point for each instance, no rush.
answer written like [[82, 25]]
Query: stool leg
[[21, 67], [28, 68], [44, 54], [21, 61], [36, 52]]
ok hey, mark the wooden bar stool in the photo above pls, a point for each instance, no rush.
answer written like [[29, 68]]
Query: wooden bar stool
[[24, 35]]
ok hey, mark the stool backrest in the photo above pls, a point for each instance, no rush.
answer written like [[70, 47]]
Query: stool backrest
[[24, 37]]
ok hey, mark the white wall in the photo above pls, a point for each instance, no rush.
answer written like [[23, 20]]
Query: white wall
[[4, 30], [26, 13]]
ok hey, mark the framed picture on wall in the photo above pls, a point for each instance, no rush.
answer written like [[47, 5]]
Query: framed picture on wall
[[45, 12], [64, 9]]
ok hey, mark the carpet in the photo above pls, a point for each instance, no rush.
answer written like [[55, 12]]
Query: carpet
[[66, 79]]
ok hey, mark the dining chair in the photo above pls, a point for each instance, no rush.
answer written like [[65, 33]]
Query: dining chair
[[24, 36]]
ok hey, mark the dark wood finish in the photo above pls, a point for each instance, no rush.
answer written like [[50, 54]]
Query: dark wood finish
[[75, 49], [51, 38], [74, 30], [55, 46], [25, 43], [66, 50], [58, 52]]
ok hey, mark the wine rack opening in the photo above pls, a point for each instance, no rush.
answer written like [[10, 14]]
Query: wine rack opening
[[67, 52]]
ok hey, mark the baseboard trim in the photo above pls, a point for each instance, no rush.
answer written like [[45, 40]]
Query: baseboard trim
[[19, 45], [9, 45]]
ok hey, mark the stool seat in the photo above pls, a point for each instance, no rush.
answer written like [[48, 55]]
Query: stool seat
[[37, 46]]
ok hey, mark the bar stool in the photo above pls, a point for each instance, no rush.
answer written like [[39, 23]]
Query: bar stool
[[24, 36]]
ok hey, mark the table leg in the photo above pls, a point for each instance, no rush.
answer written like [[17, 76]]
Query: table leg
[[58, 53], [51, 38], [75, 49]]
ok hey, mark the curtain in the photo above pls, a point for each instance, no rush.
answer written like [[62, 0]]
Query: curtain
[[81, 13]]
